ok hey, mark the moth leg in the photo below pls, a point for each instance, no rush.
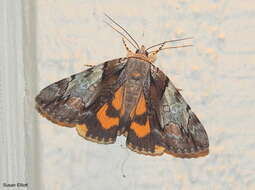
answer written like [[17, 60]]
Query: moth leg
[[161, 46], [88, 65]]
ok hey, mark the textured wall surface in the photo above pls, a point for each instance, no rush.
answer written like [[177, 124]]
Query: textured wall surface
[[217, 76]]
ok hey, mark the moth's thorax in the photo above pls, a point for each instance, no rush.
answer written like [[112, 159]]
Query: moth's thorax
[[142, 54]]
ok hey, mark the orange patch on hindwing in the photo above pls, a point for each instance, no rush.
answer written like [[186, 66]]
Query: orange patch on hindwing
[[141, 130], [117, 100], [141, 106], [106, 121], [82, 130], [132, 114], [122, 112], [159, 149]]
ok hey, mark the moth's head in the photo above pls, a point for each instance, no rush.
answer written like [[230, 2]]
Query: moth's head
[[142, 53]]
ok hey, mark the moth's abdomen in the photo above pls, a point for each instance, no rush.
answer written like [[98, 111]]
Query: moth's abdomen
[[137, 73]]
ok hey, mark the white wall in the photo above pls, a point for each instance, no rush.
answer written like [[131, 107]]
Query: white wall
[[18, 144], [12, 130]]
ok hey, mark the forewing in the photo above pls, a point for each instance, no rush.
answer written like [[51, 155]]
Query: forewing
[[181, 131], [66, 101], [101, 122]]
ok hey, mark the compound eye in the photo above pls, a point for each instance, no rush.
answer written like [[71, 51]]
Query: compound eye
[[146, 53], [137, 51]]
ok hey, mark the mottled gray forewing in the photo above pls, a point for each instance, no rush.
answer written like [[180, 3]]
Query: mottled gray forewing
[[183, 133], [65, 101]]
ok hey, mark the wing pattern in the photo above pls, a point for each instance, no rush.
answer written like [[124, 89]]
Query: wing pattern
[[67, 101], [181, 131], [92, 101]]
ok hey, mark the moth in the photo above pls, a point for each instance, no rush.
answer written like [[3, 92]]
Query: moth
[[127, 96]]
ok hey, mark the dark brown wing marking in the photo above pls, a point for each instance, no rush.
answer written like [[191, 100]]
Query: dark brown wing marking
[[181, 132], [64, 102]]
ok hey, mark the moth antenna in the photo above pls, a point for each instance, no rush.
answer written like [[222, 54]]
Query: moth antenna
[[123, 30], [126, 45], [172, 47], [163, 43], [121, 34]]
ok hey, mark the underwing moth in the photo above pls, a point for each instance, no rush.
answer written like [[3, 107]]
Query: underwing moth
[[127, 96]]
